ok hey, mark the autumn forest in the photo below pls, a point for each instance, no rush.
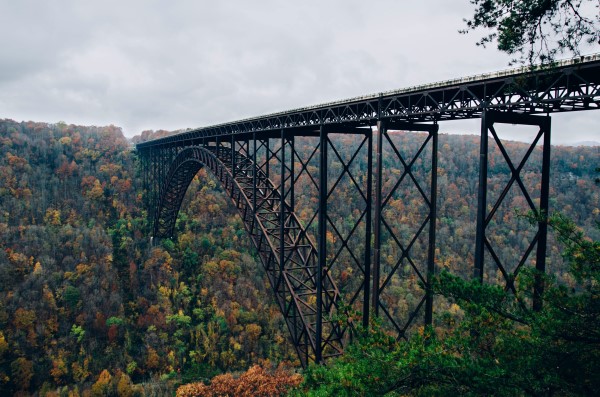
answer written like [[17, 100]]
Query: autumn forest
[[89, 307]]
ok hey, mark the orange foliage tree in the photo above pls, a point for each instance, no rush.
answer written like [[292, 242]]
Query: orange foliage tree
[[255, 382]]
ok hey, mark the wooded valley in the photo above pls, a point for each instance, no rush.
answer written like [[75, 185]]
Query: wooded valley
[[89, 307]]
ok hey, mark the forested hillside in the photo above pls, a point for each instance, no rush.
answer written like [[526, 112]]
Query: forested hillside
[[84, 300], [88, 306]]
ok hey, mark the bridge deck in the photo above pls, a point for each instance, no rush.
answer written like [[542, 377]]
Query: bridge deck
[[569, 86]]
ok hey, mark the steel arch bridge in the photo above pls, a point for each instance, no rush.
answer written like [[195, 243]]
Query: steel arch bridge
[[259, 164]]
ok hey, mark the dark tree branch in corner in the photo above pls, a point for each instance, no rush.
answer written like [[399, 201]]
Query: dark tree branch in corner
[[537, 30]]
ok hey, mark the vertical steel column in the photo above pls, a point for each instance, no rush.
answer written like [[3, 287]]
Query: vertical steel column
[[255, 226], [154, 160], [254, 170], [540, 263], [282, 210], [163, 156], [282, 202], [381, 129], [233, 156], [322, 240], [482, 198], [432, 220], [161, 161], [369, 203], [159, 170], [157, 176], [151, 181], [148, 182], [291, 143], [144, 164], [267, 157], [143, 168]]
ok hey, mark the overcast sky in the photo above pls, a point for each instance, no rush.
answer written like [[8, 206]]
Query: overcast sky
[[176, 64]]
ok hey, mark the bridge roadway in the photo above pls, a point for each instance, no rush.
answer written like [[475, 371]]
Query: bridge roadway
[[257, 161]]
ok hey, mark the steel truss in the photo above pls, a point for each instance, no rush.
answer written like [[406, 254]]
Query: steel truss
[[262, 174], [423, 267], [489, 121], [307, 297]]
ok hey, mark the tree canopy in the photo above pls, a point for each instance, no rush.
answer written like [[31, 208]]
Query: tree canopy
[[537, 30]]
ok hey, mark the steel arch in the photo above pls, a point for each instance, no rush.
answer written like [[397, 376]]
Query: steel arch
[[294, 282]]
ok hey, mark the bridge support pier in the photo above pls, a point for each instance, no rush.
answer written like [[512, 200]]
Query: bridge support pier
[[322, 238], [421, 263], [483, 245], [368, 264]]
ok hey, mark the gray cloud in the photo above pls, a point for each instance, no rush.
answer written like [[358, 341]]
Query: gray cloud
[[159, 64]]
